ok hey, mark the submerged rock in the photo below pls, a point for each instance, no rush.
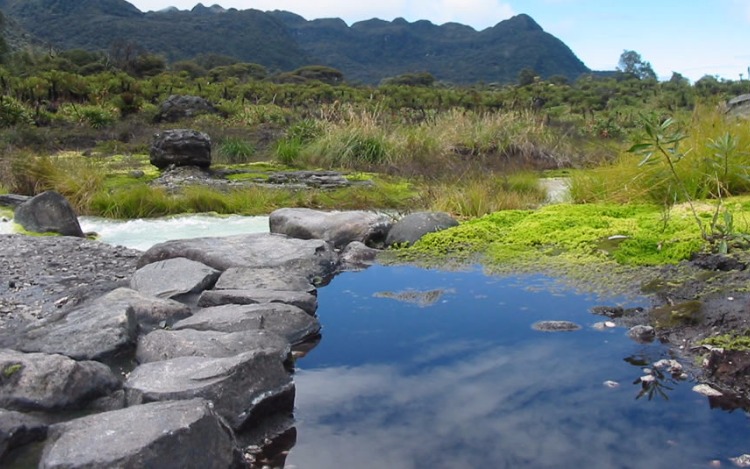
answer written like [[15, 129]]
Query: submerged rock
[[172, 434], [642, 334], [555, 326], [18, 429]]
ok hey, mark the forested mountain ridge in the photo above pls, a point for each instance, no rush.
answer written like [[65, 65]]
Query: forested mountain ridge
[[367, 51]]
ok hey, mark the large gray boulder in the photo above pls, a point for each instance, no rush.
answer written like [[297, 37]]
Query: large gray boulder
[[38, 381], [313, 259], [174, 277], [165, 435], [244, 388], [238, 278], [177, 107], [290, 322], [303, 300], [415, 225], [18, 429], [181, 147], [337, 228], [48, 212], [150, 312], [164, 345], [102, 329]]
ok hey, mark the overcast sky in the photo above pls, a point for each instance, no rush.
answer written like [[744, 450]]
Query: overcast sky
[[693, 37]]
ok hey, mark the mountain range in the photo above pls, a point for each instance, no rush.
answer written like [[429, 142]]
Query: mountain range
[[367, 51]]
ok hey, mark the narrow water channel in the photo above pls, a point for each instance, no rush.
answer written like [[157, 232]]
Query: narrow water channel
[[428, 369]]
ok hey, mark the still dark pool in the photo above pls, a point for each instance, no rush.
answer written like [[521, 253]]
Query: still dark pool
[[431, 369]]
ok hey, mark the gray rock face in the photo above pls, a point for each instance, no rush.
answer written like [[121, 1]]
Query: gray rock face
[[37, 381], [321, 179], [305, 301], [174, 434], [13, 200], [244, 388], [48, 212], [357, 255], [181, 147], [17, 429], [238, 278], [739, 106], [413, 226], [103, 328], [555, 326], [309, 258], [164, 345], [150, 312], [178, 107], [173, 277], [290, 322], [337, 228]]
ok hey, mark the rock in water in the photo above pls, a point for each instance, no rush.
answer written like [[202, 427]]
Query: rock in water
[[172, 434], [48, 212], [337, 228]]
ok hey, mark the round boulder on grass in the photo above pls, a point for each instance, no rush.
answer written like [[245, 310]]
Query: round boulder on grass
[[181, 147]]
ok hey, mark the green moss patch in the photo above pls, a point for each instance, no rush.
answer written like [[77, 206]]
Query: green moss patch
[[688, 313], [731, 341]]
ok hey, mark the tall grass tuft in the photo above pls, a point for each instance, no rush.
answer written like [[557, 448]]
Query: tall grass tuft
[[233, 150]]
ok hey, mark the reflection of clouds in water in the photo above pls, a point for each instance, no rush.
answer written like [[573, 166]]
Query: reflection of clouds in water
[[520, 407]]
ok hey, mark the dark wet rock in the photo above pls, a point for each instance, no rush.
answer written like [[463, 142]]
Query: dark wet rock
[[244, 388], [173, 434], [98, 330], [177, 107], [113, 401], [310, 258], [164, 345], [717, 262], [238, 278], [357, 255], [555, 326], [413, 226], [38, 381], [317, 179], [181, 147], [686, 313], [609, 311], [173, 277], [337, 228], [302, 300], [48, 212], [18, 429], [13, 200], [290, 322], [642, 334]]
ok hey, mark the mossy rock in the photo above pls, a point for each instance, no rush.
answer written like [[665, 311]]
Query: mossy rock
[[688, 313]]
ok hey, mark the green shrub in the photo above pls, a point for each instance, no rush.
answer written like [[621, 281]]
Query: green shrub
[[13, 112], [234, 150]]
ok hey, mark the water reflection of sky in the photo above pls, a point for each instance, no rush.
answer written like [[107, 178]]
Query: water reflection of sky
[[466, 382]]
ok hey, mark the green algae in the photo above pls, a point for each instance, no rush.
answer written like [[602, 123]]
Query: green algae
[[674, 315], [730, 341]]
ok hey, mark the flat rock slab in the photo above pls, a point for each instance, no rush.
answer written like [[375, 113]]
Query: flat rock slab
[[244, 388], [337, 228], [305, 301], [164, 345], [97, 330], [173, 277], [38, 381], [290, 322], [174, 434], [312, 258], [18, 429], [239, 278]]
